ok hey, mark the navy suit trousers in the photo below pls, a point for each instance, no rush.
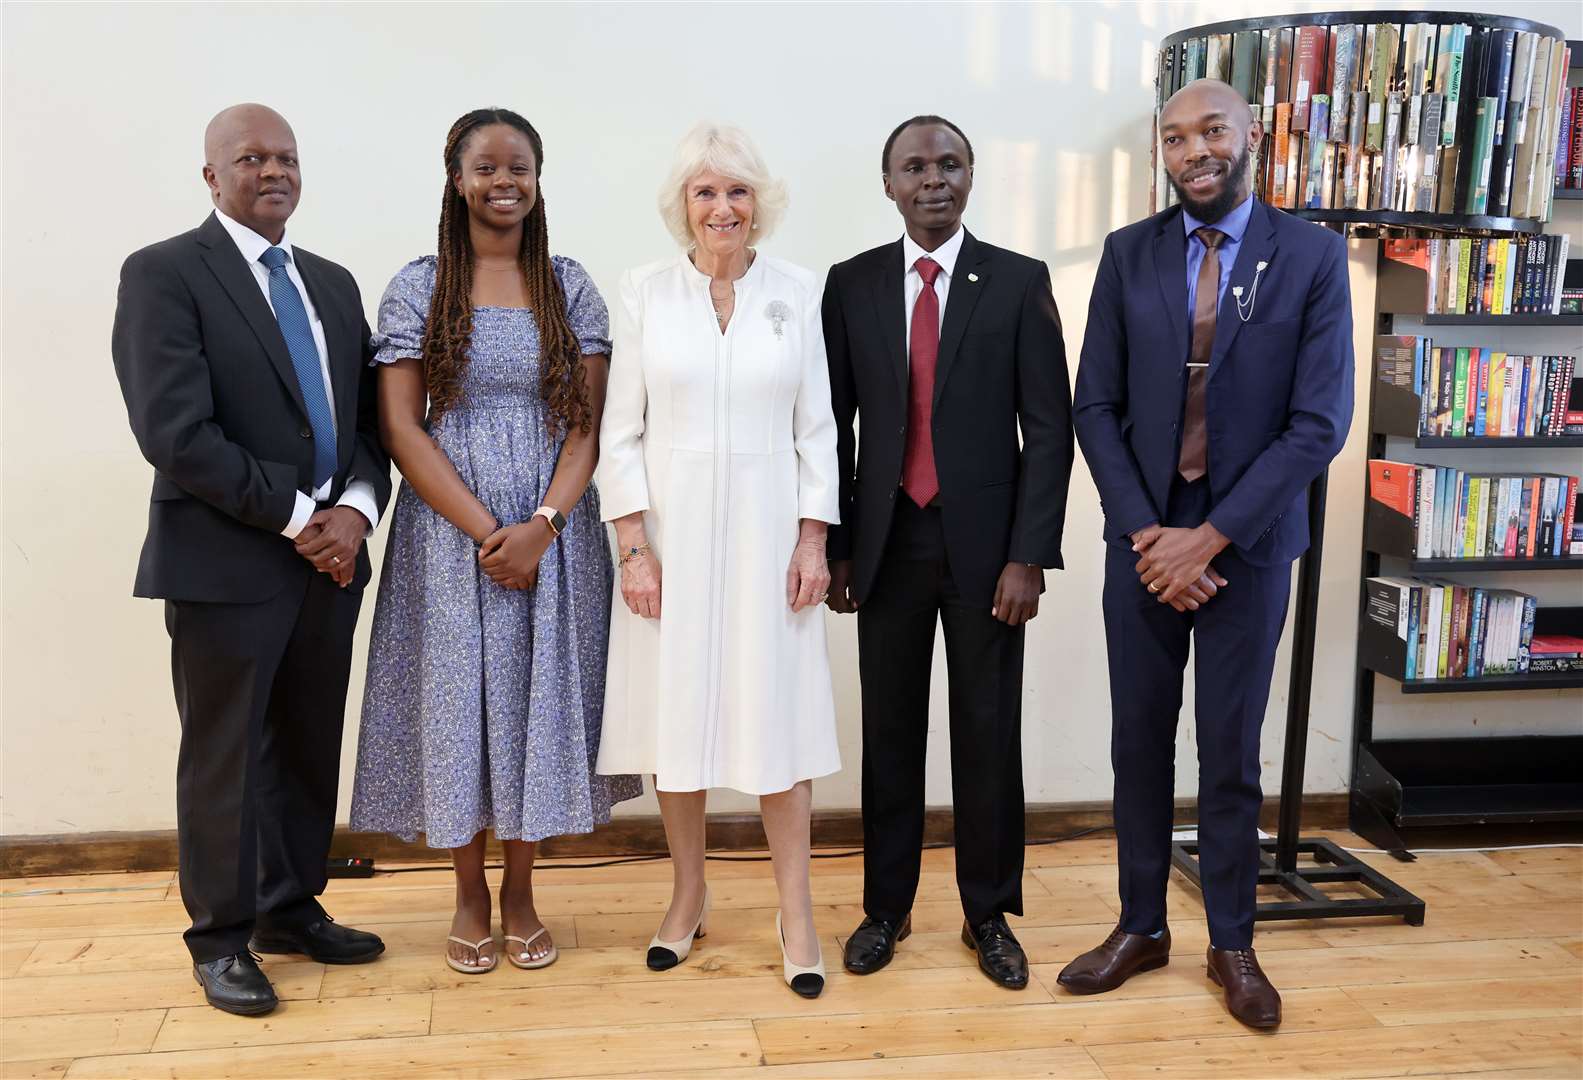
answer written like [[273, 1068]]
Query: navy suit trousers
[[1234, 640]]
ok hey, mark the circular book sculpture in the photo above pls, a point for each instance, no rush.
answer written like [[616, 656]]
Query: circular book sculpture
[[1393, 122]]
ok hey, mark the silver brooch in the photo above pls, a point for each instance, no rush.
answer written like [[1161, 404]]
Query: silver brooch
[[778, 313]]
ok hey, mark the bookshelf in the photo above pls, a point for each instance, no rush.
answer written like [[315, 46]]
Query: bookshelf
[[1502, 320], [1390, 122], [1402, 784]]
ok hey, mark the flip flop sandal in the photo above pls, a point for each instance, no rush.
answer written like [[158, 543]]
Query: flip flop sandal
[[528, 965], [483, 963]]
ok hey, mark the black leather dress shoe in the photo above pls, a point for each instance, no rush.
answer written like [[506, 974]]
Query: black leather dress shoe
[[1000, 956], [235, 984], [322, 941], [873, 943]]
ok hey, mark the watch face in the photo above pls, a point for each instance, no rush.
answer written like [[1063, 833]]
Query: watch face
[[558, 519]]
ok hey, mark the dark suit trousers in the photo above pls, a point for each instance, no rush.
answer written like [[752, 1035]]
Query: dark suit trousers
[[261, 690], [1234, 639], [895, 628]]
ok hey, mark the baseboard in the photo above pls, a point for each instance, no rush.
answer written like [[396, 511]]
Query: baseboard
[[108, 852]]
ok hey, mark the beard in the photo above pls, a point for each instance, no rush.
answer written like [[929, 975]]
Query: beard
[[1231, 194]]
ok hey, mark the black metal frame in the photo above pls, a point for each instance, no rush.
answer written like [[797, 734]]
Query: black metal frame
[[1331, 864], [1370, 223], [1342, 18]]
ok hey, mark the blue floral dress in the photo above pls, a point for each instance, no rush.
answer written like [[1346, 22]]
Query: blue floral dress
[[482, 704]]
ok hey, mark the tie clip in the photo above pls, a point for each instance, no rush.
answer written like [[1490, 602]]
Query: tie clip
[[1191, 364]]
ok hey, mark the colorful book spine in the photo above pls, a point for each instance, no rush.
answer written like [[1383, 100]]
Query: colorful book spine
[[1453, 83], [1483, 147]]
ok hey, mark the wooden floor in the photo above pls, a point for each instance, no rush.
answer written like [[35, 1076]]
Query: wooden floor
[[95, 984]]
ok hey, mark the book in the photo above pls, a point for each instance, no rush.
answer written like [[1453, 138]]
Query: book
[[1498, 74], [1448, 80], [1522, 79], [1279, 154], [1417, 56], [1245, 64], [1343, 75], [1319, 120], [1269, 54], [1285, 48], [1309, 62], [1218, 57], [1574, 176], [1483, 147], [1379, 83], [1389, 178], [1564, 148], [1428, 154], [1544, 174], [1529, 136]]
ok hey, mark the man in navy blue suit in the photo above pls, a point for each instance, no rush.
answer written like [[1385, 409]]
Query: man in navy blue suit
[[1215, 385]]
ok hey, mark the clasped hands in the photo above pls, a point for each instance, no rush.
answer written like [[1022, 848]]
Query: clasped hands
[[510, 555], [1174, 564], [331, 540]]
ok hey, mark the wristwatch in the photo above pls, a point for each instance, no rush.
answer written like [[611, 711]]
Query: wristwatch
[[556, 519]]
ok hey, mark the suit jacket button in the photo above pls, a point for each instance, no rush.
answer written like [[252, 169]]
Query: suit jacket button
[[902, 430], [306, 433]]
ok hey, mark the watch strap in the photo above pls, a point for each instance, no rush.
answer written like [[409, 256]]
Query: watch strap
[[556, 519]]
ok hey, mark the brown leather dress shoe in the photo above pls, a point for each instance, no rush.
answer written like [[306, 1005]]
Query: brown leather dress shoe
[[1121, 956], [1249, 995]]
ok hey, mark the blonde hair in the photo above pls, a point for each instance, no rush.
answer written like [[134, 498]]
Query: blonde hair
[[729, 152]]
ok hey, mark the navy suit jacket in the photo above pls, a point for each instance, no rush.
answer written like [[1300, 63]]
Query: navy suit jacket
[[1279, 398]]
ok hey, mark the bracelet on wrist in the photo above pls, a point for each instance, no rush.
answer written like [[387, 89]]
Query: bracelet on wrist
[[628, 554]]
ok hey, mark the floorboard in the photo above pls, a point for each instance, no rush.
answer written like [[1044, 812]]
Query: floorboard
[[94, 982]]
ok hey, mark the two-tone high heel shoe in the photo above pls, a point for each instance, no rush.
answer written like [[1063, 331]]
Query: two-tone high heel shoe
[[806, 982], [664, 955]]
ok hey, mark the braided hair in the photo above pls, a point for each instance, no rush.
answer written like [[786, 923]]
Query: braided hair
[[449, 328]]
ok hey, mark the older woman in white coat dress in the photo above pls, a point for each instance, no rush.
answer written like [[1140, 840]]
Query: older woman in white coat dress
[[718, 468]]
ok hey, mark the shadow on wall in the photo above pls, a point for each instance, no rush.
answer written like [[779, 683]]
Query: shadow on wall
[[1057, 197]]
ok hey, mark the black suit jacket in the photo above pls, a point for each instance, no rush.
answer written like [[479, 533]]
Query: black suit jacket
[[1002, 366], [216, 409]]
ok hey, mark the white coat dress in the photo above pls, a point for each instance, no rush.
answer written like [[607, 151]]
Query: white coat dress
[[724, 441]]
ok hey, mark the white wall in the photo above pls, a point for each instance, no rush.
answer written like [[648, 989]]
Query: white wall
[[104, 108]]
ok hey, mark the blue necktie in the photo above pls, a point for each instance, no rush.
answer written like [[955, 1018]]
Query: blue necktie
[[293, 319]]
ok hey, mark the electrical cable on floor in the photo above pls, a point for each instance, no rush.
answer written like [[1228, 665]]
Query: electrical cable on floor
[[1456, 850], [629, 859]]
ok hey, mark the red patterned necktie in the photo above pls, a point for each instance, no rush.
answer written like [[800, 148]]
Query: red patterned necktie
[[1194, 460], [918, 478]]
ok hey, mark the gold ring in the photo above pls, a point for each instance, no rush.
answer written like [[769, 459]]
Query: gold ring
[[1154, 587], [335, 560]]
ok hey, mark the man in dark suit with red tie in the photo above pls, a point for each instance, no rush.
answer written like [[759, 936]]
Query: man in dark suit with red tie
[[1215, 386], [244, 364], [943, 346]]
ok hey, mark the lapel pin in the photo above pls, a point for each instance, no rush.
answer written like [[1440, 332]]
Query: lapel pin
[[972, 277]]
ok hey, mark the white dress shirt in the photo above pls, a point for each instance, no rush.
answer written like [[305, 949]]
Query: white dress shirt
[[912, 282], [359, 494]]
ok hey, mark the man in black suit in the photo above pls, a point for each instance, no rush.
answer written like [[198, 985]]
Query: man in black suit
[[946, 346], [244, 364]]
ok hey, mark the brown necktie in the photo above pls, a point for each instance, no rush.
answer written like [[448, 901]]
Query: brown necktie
[[1194, 460]]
